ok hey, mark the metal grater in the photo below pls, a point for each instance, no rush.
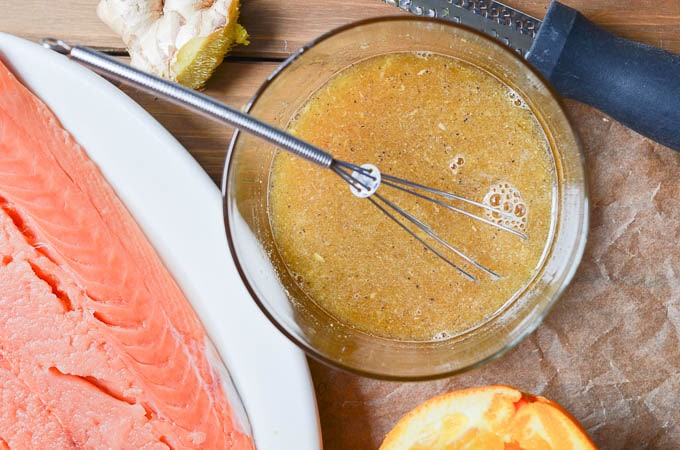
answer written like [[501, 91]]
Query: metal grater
[[514, 28]]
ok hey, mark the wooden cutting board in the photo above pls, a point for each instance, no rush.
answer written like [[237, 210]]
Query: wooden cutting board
[[609, 350]]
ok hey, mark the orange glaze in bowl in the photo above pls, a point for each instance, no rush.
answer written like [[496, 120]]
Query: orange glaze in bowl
[[437, 121]]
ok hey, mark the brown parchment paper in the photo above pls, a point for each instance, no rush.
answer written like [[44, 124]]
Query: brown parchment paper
[[609, 350]]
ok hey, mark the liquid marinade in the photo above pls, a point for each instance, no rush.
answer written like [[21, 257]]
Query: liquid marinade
[[437, 121]]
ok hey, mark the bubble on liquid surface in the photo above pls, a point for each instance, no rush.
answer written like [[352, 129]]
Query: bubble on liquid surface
[[441, 336], [423, 54], [457, 162], [516, 99], [510, 209]]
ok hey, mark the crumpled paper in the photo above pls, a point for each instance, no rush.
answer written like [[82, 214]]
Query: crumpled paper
[[609, 351]]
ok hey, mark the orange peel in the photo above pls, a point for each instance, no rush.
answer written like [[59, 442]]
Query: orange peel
[[488, 418]]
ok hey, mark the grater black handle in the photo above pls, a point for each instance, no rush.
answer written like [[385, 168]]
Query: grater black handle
[[634, 83]]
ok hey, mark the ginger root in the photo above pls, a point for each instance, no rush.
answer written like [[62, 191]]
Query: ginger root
[[181, 40]]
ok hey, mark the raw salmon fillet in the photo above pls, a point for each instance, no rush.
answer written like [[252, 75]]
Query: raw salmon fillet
[[99, 348]]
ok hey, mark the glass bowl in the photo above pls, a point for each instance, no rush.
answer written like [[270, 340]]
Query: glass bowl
[[318, 333]]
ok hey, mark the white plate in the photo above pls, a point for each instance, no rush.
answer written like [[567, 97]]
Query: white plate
[[180, 209]]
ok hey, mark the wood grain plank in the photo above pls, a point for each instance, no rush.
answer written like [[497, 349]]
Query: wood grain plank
[[74, 21], [279, 27]]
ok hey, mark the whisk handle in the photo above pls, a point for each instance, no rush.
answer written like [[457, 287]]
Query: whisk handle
[[190, 99]]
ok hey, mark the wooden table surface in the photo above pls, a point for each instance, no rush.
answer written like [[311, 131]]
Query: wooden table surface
[[609, 349]]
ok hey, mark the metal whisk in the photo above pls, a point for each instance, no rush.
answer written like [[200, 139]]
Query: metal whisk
[[363, 180]]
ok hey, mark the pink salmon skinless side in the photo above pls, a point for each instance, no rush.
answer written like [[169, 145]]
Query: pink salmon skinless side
[[99, 348]]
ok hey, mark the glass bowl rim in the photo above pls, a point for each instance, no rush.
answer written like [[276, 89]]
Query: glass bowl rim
[[309, 350]]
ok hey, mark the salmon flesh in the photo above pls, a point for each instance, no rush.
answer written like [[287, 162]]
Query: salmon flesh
[[99, 348]]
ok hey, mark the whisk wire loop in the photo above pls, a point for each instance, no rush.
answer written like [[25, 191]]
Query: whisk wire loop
[[453, 208], [357, 180], [428, 230], [422, 241]]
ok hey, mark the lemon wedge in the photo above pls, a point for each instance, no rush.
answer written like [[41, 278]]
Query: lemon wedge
[[197, 59]]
